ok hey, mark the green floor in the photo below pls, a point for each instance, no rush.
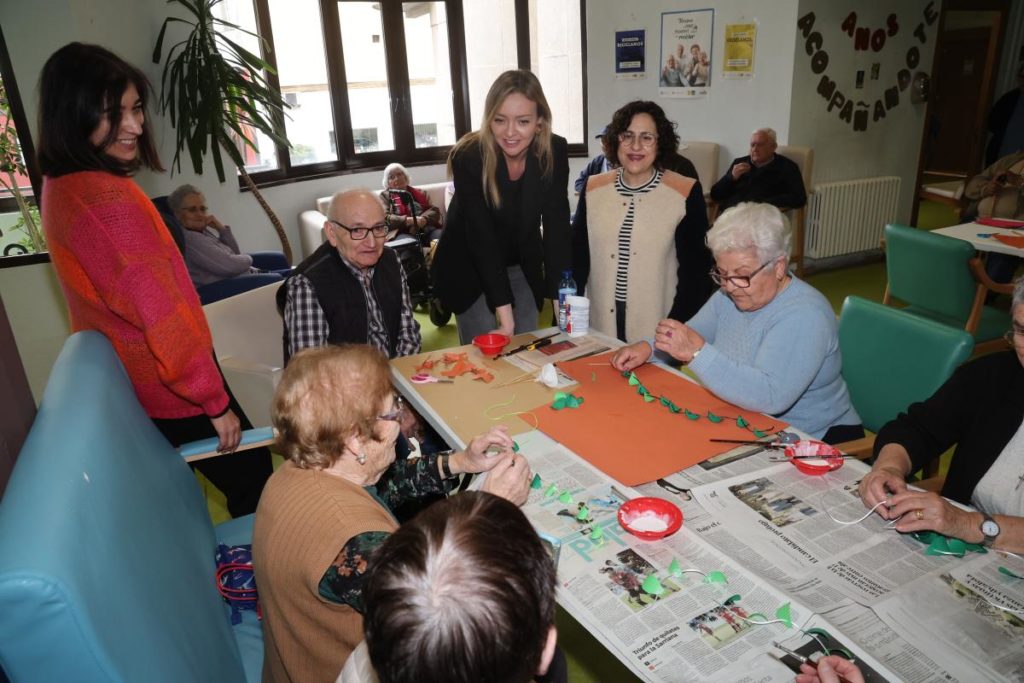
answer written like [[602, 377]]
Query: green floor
[[589, 661]]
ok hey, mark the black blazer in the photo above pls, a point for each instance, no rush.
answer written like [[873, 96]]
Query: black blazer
[[470, 259]]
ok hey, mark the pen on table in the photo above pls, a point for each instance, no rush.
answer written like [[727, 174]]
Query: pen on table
[[535, 344]]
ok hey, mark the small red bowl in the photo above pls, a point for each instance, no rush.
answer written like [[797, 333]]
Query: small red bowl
[[650, 518], [831, 458], [490, 344]]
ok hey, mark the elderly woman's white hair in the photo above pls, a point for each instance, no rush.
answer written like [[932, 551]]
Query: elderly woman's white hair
[[395, 167], [750, 225], [177, 198]]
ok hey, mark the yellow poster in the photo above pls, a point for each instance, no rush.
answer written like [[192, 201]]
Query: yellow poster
[[739, 51]]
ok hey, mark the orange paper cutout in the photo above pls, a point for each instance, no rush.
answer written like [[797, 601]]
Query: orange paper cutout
[[1011, 240], [483, 375], [461, 367], [427, 364], [635, 441], [451, 357]]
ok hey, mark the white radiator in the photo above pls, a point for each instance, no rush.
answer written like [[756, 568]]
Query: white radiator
[[849, 216]]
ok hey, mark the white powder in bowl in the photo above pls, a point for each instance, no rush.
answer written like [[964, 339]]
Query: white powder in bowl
[[649, 522]]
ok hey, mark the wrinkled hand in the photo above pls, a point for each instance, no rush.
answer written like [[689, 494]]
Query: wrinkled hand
[[879, 482], [632, 356], [936, 514], [740, 169], [229, 431], [509, 478], [212, 222], [830, 669], [421, 221], [677, 340], [476, 458], [990, 188]]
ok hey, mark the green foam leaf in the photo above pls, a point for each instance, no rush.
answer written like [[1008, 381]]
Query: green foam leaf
[[515, 447], [551, 492], [784, 614], [597, 534], [714, 418], [633, 381], [583, 514], [648, 398], [760, 434], [536, 483], [675, 409], [665, 401], [566, 497], [716, 577], [674, 569], [558, 404], [652, 586], [740, 422], [690, 415], [732, 599]]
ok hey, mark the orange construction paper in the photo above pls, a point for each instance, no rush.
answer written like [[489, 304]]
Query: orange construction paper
[[998, 222], [1011, 240], [636, 441], [461, 367]]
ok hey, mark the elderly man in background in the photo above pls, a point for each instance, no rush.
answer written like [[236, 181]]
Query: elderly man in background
[[351, 289], [998, 192], [762, 176], [211, 252]]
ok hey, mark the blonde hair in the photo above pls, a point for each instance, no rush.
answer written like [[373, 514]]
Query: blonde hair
[[526, 84], [327, 395]]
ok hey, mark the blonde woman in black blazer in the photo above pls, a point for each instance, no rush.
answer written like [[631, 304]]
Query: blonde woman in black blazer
[[493, 266]]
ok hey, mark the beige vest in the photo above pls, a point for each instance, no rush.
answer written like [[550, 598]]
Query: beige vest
[[652, 272], [304, 519]]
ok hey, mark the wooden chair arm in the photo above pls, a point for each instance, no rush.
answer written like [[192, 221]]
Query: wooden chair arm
[[862, 447], [982, 278]]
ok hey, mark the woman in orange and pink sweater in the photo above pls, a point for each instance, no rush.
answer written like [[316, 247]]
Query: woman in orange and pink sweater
[[121, 273]]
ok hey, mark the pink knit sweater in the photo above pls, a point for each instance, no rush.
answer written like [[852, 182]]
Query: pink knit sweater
[[122, 275]]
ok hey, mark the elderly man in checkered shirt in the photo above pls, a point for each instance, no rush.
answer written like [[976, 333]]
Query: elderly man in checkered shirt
[[351, 289]]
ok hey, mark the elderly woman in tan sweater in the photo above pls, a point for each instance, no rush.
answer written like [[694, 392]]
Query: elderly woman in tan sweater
[[328, 508]]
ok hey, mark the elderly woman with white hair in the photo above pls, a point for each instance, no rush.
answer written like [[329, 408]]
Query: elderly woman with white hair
[[409, 210], [765, 341], [980, 410]]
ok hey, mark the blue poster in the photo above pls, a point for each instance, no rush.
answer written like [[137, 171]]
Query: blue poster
[[630, 53]]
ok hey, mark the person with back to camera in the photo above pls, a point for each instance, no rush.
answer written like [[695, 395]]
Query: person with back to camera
[[638, 234], [328, 508], [493, 261], [465, 592], [980, 410], [766, 341], [120, 270]]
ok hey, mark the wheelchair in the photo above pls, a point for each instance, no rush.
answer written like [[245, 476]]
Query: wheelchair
[[412, 254]]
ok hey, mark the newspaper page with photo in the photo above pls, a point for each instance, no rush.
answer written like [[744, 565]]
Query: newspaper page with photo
[[673, 609], [973, 610], [794, 523]]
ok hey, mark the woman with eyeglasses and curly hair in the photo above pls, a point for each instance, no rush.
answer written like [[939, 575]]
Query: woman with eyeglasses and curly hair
[[325, 511], [638, 234], [494, 266], [765, 341]]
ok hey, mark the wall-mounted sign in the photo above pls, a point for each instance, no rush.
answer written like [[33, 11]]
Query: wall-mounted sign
[[858, 114], [630, 53], [685, 57], [739, 51]]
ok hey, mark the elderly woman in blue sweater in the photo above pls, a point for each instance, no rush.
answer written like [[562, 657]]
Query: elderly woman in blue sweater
[[765, 341]]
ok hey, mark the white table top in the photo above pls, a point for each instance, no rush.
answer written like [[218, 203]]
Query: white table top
[[969, 232]]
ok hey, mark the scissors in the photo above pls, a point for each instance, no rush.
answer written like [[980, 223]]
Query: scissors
[[422, 378]]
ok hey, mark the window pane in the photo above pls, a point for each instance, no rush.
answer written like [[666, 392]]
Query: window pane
[[369, 99], [426, 46], [556, 57], [489, 51], [20, 227], [302, 71], [241, 13]]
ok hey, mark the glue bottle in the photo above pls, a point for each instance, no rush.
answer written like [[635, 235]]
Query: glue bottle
[[567, 287]]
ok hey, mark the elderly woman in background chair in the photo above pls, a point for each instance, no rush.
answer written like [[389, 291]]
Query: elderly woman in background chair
[[211, 252], [765, 341], [638, 233], [326, 510], [409, 210], [980, 409]]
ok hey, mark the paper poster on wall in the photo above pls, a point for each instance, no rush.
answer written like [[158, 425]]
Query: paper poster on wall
[[739, 51], [685, 57], [630, 53]]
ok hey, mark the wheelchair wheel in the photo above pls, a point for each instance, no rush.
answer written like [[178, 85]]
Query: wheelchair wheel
[[438, 315], [14, 250]]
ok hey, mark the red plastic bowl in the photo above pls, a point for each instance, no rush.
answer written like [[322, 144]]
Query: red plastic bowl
[[490, 344], [829, 460], [664, 512]]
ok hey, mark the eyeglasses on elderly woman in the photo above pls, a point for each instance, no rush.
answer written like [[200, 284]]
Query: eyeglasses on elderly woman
[[741, 281], [398, 409], [1014, 336]]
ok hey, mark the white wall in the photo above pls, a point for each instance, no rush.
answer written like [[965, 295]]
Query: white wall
[[889, 146], [733, 108]]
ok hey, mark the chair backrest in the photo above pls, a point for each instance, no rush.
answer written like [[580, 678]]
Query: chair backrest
[[248, 325], [931, 272], [106, 545], [704, 157], [892, 359], [171, 221], [802, 157]]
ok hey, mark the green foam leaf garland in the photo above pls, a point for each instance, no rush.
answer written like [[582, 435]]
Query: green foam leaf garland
[[714, 418], [536, 483], [652, 586]]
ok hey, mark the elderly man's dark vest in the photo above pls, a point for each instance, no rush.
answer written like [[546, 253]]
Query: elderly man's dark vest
[[340, 295]]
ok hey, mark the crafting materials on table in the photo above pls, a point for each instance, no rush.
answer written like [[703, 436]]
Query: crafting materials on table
[[530, 346], [751, 442], [421, 378], [650, 518], [636, 441], [490, 344]]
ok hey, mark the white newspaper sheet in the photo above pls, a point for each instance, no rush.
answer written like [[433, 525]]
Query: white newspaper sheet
[[697, 629]]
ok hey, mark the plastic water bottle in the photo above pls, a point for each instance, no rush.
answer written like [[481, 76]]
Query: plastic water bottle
[[567, 287]]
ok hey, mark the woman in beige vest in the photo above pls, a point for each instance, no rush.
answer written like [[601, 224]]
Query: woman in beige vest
[[325, 511]]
